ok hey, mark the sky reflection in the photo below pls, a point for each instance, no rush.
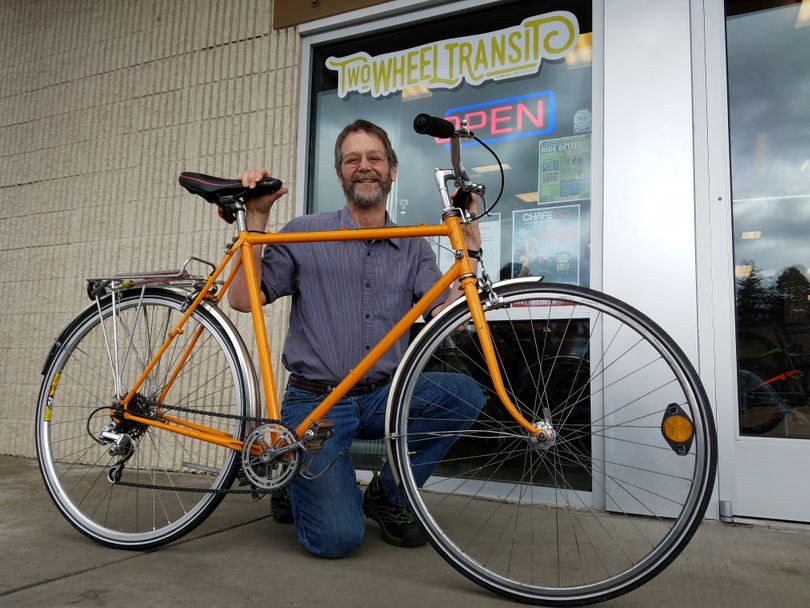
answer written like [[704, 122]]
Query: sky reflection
[[769, 89]]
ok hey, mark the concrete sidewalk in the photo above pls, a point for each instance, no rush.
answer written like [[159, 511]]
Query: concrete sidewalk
[[232, 558]]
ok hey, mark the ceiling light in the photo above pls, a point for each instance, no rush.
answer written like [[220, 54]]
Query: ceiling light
[[803, 19], [416, 91], [491, 168], [580, 55], [743, 271], [529, 197], [751, 234]]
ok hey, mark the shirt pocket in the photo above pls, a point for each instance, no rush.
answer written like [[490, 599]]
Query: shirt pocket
[[396, 298]]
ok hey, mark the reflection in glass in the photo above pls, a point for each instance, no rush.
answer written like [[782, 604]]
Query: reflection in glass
[[769, 84], [562, 365], [531, 121]]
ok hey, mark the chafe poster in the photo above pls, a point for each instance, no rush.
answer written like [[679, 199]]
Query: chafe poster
[[545, 242]]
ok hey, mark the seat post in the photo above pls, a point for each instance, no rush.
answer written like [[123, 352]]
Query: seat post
[[241, 222]]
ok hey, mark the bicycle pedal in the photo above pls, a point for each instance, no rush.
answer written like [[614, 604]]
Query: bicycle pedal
[[318, 432]]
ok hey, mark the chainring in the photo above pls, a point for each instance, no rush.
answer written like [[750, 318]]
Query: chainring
[[271, 456]]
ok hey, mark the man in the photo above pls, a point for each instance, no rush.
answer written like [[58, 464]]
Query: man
[[346, 296]]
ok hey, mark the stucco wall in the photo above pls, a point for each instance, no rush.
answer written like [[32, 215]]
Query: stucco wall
[[102, 105]]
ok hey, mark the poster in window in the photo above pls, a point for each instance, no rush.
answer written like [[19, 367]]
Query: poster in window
[[565, 169], [545, 242]]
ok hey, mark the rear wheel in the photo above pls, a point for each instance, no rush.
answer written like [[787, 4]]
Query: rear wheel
[[97, 361], [615, 493]]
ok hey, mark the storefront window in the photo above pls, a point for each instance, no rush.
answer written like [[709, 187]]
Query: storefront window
[[519, 73], [485, 66], [768, 76]]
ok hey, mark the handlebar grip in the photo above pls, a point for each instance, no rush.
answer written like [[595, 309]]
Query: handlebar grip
[[433, 125]]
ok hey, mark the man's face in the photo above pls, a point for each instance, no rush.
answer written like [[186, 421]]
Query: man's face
[[365, 174]]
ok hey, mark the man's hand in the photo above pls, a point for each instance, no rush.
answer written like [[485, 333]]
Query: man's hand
[[259, 206]]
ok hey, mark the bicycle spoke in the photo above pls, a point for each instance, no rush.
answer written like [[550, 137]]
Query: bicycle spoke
[[126, 330], [594, 505]]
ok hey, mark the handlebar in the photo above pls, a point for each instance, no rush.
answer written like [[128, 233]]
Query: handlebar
[[426, 124], [434, 126]]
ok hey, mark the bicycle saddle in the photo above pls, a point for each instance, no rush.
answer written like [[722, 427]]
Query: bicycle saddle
[[215, 189]]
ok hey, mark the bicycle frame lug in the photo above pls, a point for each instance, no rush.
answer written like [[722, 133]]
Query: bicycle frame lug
[[451, 212]]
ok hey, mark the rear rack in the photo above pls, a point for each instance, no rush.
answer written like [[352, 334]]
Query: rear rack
[[97, 286]]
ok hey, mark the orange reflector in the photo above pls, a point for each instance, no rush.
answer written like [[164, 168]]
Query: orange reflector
[[678, 429]]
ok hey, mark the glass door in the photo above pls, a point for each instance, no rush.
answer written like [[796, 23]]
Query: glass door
[[768, 54]]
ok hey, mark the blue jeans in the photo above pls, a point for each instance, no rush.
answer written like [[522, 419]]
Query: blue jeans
[[328, 511]]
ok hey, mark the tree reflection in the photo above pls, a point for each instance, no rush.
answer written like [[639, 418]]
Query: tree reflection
[[754, 297], [792, 288]]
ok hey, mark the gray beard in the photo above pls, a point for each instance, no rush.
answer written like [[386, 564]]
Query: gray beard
[[367, 202]]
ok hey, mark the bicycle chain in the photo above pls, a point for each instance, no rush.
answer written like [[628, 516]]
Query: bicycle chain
[[188, 410]]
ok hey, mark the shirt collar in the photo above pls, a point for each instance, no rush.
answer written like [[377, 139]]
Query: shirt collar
[[347, 222]]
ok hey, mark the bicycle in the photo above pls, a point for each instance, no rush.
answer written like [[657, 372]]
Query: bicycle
[[586, 473], [769, 381]]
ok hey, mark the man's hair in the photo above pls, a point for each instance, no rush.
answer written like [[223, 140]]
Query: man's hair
[[368, 127]]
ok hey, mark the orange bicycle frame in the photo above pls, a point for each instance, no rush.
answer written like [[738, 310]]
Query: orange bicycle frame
[[244, 242]]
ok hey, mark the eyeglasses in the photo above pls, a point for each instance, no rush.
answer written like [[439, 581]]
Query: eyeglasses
[[373, 158]]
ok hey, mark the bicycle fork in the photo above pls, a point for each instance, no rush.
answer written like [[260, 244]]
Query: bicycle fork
[[540, 430]]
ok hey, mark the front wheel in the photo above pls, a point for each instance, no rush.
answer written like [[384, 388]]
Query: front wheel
[[158, 485], [613, 493]]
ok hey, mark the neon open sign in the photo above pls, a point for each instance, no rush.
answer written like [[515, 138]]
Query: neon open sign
[[511, 118]]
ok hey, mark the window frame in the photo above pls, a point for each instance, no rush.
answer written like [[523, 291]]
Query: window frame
[[397, 13]]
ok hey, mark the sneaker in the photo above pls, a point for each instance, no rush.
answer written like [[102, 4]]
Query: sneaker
[[397, 524], [280, 507]]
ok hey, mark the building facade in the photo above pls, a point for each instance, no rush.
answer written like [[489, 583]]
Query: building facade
[[662, 148]]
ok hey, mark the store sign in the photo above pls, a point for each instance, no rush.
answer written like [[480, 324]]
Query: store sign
[[508, 118], [445, 64]]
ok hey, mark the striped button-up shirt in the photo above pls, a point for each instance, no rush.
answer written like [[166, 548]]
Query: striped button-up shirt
[[345, 296]]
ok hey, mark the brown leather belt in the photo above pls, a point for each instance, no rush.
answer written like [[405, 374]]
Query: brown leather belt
[[322, 389]]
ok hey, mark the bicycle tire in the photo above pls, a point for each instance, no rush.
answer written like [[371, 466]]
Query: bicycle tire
[[610, 503], [761, 408], [79, 387]]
